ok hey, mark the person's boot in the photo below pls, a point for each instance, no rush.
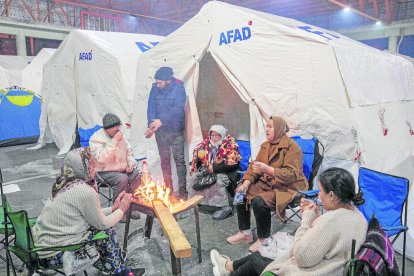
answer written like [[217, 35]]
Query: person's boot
[[223, 213]]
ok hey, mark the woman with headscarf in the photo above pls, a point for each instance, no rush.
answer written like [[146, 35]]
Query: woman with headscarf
[[73, 214], [270, 183], [219, 154], [322, 243]]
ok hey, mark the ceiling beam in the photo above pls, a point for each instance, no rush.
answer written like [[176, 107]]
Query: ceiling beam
[[355, 10], [115, 11]]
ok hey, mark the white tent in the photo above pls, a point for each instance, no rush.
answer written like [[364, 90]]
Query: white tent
[[239, 65], [32, 75], [90, 74], [11, 68]]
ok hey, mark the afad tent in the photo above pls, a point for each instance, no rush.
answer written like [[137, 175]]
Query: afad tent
[[90, 74], [239, 66], [19, 108], [11, 68], [32, 75]]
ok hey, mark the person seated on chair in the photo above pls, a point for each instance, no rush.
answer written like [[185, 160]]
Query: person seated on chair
[[218, 154], [73, 214], [270, 183], [114, 159], [322, 244]]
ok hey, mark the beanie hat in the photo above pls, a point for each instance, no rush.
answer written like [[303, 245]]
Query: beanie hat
[[164, 73], [110, 120]]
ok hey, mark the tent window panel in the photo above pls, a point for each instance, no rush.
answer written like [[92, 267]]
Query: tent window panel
[[218, 103]]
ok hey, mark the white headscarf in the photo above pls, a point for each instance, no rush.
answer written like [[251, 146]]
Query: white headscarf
[[220, 130], [215, 146]]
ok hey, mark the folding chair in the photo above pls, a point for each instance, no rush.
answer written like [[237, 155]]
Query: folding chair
[[102, 184], [312, 150], [27, 252], [245, 153], [5, 208], [85, 135], [386, 197]]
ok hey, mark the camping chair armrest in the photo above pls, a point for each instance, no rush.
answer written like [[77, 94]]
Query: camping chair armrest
[[32, 222], [394, 228], [310, 193], [98, 236]]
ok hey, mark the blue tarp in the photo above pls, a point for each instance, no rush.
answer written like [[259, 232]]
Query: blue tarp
[[19, 117]]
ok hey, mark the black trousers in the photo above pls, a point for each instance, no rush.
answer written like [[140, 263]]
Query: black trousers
[[251, 265], [262, 213], [174, 142]]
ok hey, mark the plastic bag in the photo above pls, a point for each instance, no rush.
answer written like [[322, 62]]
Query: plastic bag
[[75, 261], [280, 244]]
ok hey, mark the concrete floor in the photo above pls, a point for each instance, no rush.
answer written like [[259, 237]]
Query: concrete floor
[[34, 172]]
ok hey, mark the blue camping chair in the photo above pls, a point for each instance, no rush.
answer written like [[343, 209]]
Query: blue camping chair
[[245, 153], [312, 150], [85, 135], [385, 197]]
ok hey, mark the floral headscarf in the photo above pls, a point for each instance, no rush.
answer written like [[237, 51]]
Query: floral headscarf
[[75, 169], [228, 152]]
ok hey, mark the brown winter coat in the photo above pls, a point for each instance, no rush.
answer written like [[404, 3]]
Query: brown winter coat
[[279, 190]]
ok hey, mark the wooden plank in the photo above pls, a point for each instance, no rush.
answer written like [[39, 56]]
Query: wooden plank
[[178, 242], [188, 204]]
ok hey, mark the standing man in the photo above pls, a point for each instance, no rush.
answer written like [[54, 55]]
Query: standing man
[[114, 159], [166, 118]]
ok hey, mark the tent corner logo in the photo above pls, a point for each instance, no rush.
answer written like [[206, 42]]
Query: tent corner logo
[[235, 35], [145, 47], [85, 55], [313, 30]]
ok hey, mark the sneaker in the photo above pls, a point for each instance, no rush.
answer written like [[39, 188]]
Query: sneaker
[[256, 246], [240, 237], [219, 263]]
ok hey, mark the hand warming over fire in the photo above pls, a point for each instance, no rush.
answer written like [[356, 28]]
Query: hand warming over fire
[[117, 201], [124, 202]]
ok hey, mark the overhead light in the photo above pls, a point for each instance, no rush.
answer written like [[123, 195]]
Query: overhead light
[[347, 9], [378, 23]]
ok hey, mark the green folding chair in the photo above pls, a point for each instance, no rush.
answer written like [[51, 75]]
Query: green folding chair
[[25, 249]]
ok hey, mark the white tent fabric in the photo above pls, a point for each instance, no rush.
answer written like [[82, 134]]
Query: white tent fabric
[[11, 68], [32, 78], [353, 98], [32, 75], [90, 74]]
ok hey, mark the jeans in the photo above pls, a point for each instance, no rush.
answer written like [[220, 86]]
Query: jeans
[[251, 265], [167, 142], [262, 213]]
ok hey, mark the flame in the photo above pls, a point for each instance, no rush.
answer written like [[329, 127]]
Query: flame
[[150, 191]]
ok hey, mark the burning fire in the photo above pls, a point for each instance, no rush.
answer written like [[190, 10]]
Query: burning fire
[[149, 191]]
